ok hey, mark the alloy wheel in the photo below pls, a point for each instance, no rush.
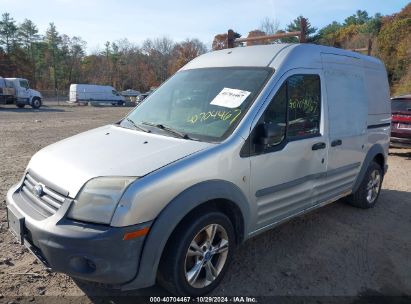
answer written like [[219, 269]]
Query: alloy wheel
[[206, 256], [373, 186]]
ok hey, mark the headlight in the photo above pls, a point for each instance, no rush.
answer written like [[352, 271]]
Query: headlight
[[98, 199]]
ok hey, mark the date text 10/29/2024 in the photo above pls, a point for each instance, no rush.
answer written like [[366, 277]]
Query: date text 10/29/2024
[[236, 299]]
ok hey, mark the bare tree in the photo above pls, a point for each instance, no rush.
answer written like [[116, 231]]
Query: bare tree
[[269, 26]]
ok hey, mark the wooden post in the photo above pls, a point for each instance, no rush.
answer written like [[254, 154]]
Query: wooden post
[[303, 29], [369, 47], [230, 39]]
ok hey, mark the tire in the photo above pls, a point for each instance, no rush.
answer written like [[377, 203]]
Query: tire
[[176, 265], [36, 103], [20, 105], [368, 192]]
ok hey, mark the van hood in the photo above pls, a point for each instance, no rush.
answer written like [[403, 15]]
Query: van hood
[[108, 151]]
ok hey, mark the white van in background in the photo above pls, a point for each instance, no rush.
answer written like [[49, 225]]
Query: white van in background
[[84, 93]]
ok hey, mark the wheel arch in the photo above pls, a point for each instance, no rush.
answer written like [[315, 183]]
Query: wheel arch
[[215, 194], [375, 153]]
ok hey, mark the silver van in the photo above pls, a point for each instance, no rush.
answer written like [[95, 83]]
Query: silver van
[[235, 143]]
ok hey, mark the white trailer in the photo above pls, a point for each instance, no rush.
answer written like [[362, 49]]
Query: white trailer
[[17, 91], [90, 93]]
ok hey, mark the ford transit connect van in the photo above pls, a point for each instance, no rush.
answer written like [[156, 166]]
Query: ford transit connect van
[[235, 143]]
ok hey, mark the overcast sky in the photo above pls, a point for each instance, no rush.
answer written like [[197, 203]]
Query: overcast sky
[[97, 21]]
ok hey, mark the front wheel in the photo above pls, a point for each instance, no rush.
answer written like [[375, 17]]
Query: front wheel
[[36, 103], [197, 255], [367, 193]]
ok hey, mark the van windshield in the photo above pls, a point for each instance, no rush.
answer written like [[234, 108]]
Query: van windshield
[[204, 104]]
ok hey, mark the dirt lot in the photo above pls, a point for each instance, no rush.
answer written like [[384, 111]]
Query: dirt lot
[[335, 251]]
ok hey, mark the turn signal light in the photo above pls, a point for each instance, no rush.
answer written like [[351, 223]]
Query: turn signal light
[[136, 234]]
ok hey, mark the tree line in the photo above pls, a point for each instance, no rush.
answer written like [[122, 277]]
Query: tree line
[[52, 61], [390, 38]]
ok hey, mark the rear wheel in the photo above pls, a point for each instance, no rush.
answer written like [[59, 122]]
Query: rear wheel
[[367, 193], [36, 103], [197, 255], [20, 105]]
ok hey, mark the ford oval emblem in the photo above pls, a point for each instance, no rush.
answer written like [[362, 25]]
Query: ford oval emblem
[[38, 190]]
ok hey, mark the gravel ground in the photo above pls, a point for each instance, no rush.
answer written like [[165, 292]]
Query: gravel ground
[[334, 251]]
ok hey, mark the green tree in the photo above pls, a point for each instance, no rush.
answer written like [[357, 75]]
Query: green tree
[[328, 35], [77, 52], [373, 26], [295, 26], [53, 41], [360, 17], [28, 35], [8, 32]]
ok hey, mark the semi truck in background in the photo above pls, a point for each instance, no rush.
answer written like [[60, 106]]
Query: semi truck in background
[[17, 91], [95, 94]]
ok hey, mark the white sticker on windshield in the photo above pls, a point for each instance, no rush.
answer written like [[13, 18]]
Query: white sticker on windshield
[[230, 98]]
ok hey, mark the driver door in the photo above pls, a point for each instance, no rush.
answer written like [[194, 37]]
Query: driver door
[[23, 92], [285, 172]]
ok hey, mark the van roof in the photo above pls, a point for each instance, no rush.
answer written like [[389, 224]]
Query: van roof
[[273, 55]]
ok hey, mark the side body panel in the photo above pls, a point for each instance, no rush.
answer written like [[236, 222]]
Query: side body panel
[[347, 110], [379, 106]]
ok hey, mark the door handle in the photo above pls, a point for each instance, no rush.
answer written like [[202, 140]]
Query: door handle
[[336, 142], [318, 146]]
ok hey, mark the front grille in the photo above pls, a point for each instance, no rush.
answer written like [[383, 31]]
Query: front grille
[[47, 203]]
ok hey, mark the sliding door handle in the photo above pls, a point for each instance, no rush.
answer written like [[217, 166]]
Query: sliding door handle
[[336, 142], [318, 146]]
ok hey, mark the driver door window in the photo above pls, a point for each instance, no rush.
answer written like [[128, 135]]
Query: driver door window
[[304, 101], [24, 84], [295, 108]]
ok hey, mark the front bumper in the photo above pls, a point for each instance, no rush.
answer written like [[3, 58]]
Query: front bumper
[[400, 142], [86, 251]]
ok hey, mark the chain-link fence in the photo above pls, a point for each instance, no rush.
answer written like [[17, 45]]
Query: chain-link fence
[[54, 97]]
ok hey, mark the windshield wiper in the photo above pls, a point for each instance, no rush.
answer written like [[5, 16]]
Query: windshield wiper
[[167, 129], [137, 126]]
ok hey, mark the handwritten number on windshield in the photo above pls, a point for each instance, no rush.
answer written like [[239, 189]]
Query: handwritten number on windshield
[[215, 115]]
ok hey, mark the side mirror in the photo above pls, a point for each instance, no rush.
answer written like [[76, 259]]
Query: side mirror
[[269, 134]]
